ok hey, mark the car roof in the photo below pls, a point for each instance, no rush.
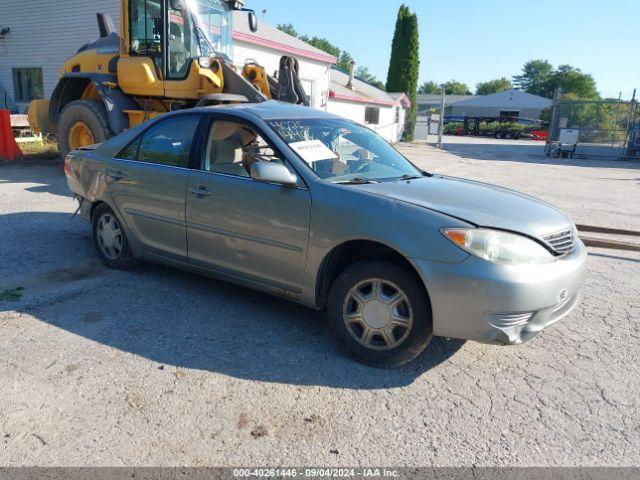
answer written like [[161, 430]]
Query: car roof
[[269, 110]]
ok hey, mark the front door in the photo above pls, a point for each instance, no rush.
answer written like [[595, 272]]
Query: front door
[[253, 230], [147, 183]]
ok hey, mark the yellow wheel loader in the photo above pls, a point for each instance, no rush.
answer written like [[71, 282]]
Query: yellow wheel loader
[[171, 54]]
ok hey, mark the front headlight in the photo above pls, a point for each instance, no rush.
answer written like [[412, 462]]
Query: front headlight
[[498, 246]]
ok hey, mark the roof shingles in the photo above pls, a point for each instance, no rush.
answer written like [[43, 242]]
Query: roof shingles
[[362, 92]]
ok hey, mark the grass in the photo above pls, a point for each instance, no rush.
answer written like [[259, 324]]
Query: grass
[[47, 149]]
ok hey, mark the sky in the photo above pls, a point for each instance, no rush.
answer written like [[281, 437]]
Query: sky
[[479, 40]]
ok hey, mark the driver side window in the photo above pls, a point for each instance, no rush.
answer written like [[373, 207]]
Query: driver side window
[[232, 148]]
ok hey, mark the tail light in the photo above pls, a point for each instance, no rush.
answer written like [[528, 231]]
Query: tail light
[[67, 165]]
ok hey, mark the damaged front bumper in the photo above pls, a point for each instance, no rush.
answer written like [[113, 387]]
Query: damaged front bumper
[[501, 304]]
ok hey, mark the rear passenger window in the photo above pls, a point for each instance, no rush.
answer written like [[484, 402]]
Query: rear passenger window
[[169, 142]]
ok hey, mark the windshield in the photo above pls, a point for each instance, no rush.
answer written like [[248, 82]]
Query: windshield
[[342, 151], [201, 28]]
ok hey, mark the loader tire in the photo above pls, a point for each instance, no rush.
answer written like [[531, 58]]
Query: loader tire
[[82, 123]]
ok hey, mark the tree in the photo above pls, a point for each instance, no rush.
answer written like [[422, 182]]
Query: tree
[[535, 78], [573, 80], [363, 73], [493, 86], [404, 64], [540, 78], [288, 29], [322, 43], [430, 88], [344, 61], [452, 87]]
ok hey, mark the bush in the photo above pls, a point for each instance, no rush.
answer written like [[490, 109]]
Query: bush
[[450, 128], [490, 127]]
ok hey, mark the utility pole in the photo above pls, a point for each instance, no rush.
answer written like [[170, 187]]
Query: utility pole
[[441, 123], [554, 123], [631, 119]]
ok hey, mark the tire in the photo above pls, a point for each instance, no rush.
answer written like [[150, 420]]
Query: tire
[[508, 135], [90, 115], [113, 254], [499, 135], [406, 343]]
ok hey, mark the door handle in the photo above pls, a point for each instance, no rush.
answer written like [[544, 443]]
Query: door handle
[[115, 174], [200, 191]]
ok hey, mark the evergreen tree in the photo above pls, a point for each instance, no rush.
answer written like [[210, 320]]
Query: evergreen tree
[[404, 64], [288, 28]]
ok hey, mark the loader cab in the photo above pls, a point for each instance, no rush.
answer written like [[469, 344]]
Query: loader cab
[[174, 33]]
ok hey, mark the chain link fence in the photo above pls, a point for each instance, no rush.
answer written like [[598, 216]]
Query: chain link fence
[[606, 128]]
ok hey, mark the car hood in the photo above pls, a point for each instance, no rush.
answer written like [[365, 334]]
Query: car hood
[[477, 203]]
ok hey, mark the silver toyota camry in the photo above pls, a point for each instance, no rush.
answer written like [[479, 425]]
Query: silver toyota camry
[[318, 209]]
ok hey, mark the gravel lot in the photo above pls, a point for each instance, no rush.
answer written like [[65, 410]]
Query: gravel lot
[[161, 367]]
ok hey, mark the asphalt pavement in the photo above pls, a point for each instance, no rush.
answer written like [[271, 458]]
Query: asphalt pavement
[[166, 368]]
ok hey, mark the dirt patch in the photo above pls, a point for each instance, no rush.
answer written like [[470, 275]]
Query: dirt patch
[[72, 367], [259, 431], [243, 421], [136, 401]]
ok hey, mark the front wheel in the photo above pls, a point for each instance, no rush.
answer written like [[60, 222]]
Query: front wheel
[[380, 313]]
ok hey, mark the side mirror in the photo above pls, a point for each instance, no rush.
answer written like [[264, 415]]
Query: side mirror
[[270, 172], [253, 21]]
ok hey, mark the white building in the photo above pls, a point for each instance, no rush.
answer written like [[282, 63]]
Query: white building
[[268, 44], [381, 111], [41, 34]]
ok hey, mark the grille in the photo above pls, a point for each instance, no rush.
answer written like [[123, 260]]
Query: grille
[[561, 242], [504, 320]]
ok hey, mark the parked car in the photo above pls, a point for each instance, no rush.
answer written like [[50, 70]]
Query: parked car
[[318, 209]]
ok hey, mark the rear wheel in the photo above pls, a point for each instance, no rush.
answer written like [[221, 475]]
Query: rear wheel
[[110, 240], [82, 123], [380, 313]]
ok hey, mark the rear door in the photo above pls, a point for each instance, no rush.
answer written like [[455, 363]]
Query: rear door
[[148, 182], [253, 230]]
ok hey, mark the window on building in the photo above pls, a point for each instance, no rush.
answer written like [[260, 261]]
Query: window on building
[[27, 84], [372, 115], [397, 114], [509, 113]]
